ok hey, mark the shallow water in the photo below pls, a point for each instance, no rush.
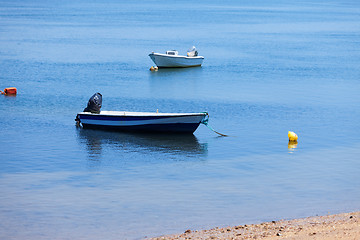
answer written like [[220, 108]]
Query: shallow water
[[269, 68]]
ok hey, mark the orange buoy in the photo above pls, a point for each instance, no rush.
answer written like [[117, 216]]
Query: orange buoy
[[9, 91], [154, 68]]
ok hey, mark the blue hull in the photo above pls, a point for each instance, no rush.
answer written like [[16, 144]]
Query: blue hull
[[162, 128]]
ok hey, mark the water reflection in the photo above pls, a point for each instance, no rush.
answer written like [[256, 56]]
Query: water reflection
[[179, 145], [292, 145], [179, 83], [9, 96], [175, 72]]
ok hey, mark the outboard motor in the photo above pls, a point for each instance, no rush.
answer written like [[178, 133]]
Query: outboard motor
[[94, 103], [192, 52]]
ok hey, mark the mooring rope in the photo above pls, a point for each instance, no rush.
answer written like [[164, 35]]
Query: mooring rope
[[77, 120], [205, 121]]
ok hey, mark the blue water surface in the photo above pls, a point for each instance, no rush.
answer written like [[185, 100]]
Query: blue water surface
[[269, 67]]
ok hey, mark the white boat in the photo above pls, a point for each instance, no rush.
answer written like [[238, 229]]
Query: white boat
[[172, 59], [142, 121]]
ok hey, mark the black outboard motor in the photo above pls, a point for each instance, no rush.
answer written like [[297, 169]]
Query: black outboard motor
[[94, 103]]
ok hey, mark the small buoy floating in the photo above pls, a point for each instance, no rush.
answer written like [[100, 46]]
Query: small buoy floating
[[292, 136], [292, 141], [154, 68], [9, 91]]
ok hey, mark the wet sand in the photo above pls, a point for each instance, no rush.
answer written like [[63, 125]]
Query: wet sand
[[338, 226]]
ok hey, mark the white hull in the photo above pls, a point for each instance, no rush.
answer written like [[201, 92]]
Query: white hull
[[165, 60]]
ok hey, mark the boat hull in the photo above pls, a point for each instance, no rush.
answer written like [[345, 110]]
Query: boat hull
[[173, 61], [142, 122]]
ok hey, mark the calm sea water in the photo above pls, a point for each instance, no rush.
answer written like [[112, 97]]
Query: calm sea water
[[269, 67]]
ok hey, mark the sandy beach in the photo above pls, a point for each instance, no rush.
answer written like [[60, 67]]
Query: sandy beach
[[338, 226]]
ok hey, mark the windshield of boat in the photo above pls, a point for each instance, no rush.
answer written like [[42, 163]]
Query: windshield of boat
[[192, 49], [173, 52]]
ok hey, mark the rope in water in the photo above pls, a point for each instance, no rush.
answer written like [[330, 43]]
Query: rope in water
[[205, 121]]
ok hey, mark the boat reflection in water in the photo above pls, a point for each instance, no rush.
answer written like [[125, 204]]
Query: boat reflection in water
[[133, 145]]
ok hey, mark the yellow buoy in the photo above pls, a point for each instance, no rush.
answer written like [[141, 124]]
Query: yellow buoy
[[292, 136]]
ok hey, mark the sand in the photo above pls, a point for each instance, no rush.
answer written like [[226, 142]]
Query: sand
[[338, 226]]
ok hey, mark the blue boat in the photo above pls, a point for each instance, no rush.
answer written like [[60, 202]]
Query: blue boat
[[142, 121]]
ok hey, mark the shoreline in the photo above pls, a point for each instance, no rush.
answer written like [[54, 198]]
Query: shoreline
[[336, 226]]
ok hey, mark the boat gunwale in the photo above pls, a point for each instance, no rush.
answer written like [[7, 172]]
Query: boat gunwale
[[175, 56], [141, 114]]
